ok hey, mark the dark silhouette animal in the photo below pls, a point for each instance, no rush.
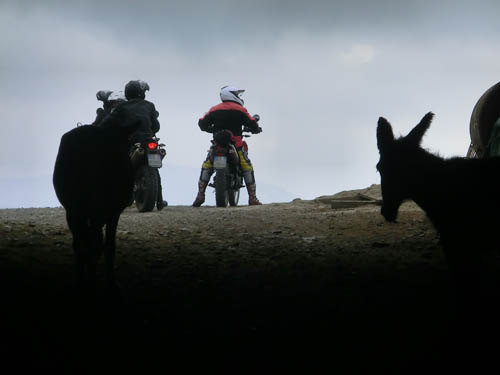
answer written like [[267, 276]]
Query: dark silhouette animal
[[93, 180], [460, 196]]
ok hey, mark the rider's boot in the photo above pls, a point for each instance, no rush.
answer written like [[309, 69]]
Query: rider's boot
[[200, 198], [252, 197], [132, 196], [251, 188], [160, 203]]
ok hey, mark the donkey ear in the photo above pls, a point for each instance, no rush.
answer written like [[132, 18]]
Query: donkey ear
[[385, 136], [417, 133]]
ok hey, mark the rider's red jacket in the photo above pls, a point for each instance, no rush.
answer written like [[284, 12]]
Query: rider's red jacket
[[228, 115]]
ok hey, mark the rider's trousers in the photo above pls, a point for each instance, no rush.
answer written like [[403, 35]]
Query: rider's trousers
[[207, 168]]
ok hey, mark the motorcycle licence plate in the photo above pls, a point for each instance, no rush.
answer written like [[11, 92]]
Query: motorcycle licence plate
[[220, 162], [154, 160]]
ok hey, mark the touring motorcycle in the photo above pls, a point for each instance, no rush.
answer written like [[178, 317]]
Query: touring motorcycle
[[147, 157]]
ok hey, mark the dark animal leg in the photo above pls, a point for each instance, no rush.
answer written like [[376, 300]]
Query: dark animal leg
[[473, 330], [78, 249], [95, 251], [79, 230], [465, 265], [109, 252]]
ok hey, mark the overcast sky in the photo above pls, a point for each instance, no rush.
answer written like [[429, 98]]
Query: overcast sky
[[319, 73]]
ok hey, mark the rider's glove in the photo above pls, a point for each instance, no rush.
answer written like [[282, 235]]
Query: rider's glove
[[257, 130]]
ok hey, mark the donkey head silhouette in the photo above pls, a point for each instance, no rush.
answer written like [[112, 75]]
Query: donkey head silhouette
[[397, 163]]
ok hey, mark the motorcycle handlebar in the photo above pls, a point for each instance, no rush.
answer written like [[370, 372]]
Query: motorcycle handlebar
[[245, 129], [248, 130]]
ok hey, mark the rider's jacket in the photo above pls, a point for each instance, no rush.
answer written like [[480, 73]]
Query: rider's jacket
[[228, 115], [132, 112]]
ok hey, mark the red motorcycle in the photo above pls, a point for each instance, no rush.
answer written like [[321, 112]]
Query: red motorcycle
[[228, 176]]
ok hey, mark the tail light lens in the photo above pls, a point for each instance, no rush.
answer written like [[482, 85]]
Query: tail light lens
[[152, 145]]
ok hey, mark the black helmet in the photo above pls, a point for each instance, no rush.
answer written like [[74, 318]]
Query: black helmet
[[136, 89], [103, 95]]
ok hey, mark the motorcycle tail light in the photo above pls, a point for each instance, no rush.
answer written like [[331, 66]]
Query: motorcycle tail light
[[152, 145]]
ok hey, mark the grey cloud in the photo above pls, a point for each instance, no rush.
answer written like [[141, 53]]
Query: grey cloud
[[79, 36], [201, 23]]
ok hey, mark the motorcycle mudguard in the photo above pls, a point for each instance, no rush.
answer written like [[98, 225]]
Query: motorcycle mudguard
[[154, 160], [220, 162]]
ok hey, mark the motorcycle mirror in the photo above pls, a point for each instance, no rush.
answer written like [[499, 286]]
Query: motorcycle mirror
[[256, 117]]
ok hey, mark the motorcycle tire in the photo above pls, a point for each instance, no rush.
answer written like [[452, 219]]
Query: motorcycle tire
[[147, 190], [221, 194], [234, 195]]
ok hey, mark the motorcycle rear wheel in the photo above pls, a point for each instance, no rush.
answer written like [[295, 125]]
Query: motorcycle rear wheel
[[234, 194], [147, 189], [234, 197], [221, 193]]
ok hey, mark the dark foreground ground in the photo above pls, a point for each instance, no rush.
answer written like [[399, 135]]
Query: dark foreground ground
[[268, 289]]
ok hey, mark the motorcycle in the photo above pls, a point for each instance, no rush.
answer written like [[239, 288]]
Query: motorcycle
[[228, 177], [147, 157]]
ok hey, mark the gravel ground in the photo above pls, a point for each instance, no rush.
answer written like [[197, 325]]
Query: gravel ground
[[249, 289]]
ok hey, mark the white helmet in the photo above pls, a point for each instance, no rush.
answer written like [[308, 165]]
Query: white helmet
[[232, 94], [117, 96]]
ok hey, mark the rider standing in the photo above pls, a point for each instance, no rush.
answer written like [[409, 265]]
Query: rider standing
[[229, 115], [141, 110], [137, 110]]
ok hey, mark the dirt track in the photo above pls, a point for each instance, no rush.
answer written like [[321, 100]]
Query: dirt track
[[275, 286]]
